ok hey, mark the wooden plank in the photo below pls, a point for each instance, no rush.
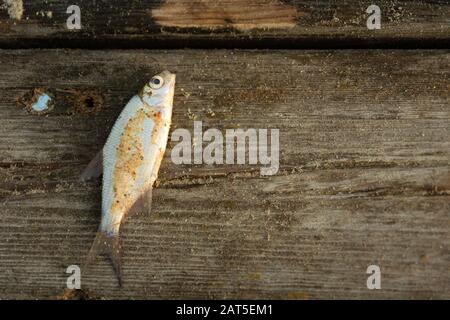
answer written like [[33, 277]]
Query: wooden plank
[[364, 175], [225, 23]]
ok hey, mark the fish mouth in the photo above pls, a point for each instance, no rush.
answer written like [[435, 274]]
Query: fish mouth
[[168, 77]]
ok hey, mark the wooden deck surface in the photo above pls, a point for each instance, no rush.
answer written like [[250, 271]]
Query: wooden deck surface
[[227, 23], [364, 175]]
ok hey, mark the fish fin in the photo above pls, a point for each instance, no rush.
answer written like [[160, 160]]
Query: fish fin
[[109, 245], [95, 168], [143, 203]]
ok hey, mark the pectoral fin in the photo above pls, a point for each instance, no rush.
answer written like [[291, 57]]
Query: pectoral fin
[[95, 168]]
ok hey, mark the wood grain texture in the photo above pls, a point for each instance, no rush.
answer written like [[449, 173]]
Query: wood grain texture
[[364, 175], [181, 23]]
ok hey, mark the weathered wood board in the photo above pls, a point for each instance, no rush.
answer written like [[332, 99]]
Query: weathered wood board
[[225, 23], [364, 175]]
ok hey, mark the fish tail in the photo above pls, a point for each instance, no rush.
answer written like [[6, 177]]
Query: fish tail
[[107, 244]]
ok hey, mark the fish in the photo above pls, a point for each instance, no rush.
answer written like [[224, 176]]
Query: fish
[[130, 161]]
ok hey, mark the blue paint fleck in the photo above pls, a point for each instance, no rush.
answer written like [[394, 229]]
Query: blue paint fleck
[[41, 103]]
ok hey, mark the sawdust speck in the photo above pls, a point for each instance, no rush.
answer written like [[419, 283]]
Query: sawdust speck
[[15, 8]]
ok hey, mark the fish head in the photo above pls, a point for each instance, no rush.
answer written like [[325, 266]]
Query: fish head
[[159, 90]]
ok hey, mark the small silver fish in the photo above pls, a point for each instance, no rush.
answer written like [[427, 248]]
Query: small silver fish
[[130, 162]]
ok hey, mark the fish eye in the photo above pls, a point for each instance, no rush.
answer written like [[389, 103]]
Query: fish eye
[[156, 82]]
